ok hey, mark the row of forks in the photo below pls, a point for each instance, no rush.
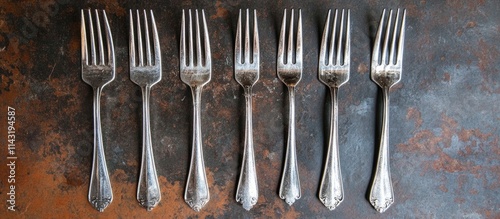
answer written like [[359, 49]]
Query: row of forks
[[195, 71]]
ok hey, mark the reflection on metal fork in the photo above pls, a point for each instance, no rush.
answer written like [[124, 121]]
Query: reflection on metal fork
[[145, 72], [98, 74], [196, 75], [290, 73], [334, 74], [246, 73], [386, 71]]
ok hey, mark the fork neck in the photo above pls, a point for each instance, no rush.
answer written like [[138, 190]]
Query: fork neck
[[196, 92]]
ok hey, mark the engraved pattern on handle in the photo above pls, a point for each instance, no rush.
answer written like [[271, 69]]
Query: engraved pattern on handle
[[197, 193], [148, 188], [381, 192], [290, 183], [331, 192], [248, 191], [100, 193]]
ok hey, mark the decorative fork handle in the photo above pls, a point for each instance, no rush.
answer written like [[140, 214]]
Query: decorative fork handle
[[197, 194], [248, 191], [381, 193], [148, 189], [290, 183], [331, 192], [100, 193]]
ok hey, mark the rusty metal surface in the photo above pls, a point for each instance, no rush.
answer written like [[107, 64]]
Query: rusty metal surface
[[445, 152]]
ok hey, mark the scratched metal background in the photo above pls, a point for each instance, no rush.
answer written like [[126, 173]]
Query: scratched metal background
[[445, 153]]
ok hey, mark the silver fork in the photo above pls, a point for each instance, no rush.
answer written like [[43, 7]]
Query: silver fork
[[246, 73], [145, 72], [196, 75], [98, 73], [334, 73], [290, 72], [385, 72]]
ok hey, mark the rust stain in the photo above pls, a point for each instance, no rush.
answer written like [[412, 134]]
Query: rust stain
[[486, 55], [362, 68], [415, 115], [447, 77], [221, 11], [443, 188]]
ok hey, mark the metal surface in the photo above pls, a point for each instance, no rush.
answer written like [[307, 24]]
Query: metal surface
[[445, 112], [196, 75], [334, 72], [246, 73], [145, 72], [289, 70], [98, 74]]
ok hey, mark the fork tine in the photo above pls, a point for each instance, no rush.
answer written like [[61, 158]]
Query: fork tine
[[378, 38], [156, 39], [281, 44], [399, 60], [347, 52], [99, 37], [393, 41], [139, 39], [341, 36], [289, 53], [92, 40], [182, 49], [324, 38], [247, 38], [334, 36], [131, 40], [237, 44], [109, 40], [198, 40], [84, 40], [386, 41], [208, 56], [298, 52], [146, 35], [191, 61], [256, 50]]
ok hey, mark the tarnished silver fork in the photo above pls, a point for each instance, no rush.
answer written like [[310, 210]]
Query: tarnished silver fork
[[334, 73], [196, 75], [246, 73], [290, 73], [98, 73], [145, 72], [386, 71]]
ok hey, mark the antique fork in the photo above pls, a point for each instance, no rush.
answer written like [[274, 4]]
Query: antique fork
[[246, 73], [385, 72], [334, 73], [98, 73], [289, 72], [196, 75], [145, 72]]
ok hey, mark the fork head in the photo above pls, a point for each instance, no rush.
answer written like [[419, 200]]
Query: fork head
[[386, 66], [246, 67], [335, 72], [144, 71], [195, 72], [289, 64], [97, 69]]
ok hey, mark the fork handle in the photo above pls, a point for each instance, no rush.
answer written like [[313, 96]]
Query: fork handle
[[197, 194], [148, 188], [381, 193], [290, 183], [247, 192], [100, 193], [331, 191]]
